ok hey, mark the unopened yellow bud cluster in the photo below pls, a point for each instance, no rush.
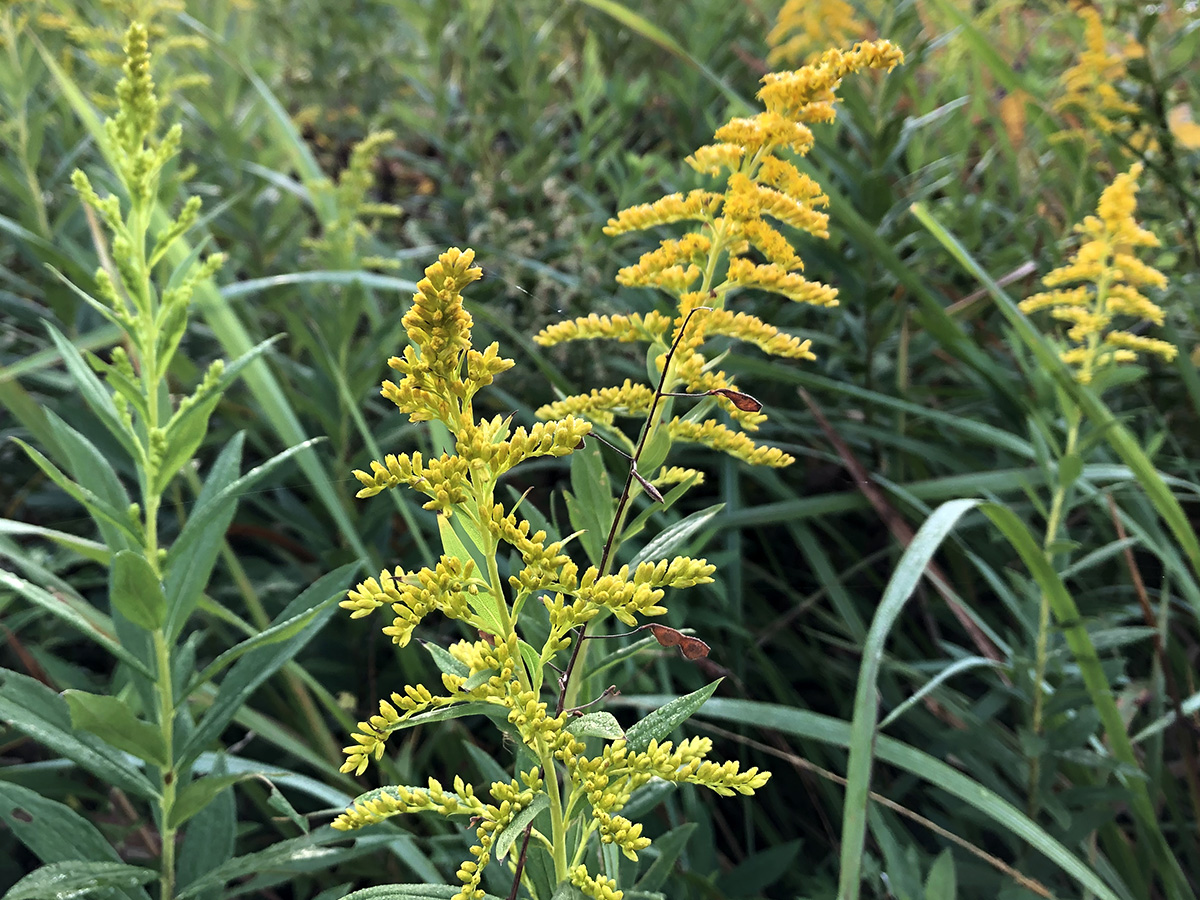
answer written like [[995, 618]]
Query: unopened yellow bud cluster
[[441, 373], [739, 242], [1107, 278]]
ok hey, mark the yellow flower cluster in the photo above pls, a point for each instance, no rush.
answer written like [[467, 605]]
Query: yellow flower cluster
[[607, 782], [1090, 87], [804, 27], [738, 242], [1111, 279], [444, 589], [502, 672]]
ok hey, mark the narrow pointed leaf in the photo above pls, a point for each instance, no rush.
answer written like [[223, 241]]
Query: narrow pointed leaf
[[658, 724], [516, 828], [35, 710], [198, 794], [135, 591], [78, 879], [111, 720]]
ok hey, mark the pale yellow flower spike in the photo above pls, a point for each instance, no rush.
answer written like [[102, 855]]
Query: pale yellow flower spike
[[1112, 276], [741, 238]]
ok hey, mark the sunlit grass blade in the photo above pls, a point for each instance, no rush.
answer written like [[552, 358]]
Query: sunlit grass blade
[[904, 579]]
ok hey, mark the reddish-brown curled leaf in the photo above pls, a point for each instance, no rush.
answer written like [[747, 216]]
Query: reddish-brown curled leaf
[[742, 401], [690, 647]]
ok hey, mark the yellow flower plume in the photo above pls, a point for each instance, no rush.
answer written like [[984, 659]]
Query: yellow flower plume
[[1090, 93], [1111, 279], [803, 27], [738, 241]]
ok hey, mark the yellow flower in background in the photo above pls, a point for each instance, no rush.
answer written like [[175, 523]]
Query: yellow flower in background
[[1185, 131], [804, 28], [1091, 96], [737, 242], [98, 30], [1107, 278]]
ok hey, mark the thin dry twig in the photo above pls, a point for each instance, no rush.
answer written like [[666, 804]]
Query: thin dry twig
[[803, 764]]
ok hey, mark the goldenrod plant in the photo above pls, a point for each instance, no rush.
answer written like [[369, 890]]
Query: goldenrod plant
[[1100, 285], [1103, 280], [1092, 87], [142, 737], [874, 590], [581, 791], [98, 32], [577, 769], [736, 246]]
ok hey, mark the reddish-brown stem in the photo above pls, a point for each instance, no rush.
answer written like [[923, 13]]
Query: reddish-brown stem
[[606, 557], [609, 542]]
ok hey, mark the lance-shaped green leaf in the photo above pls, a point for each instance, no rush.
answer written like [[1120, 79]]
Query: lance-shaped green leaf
[[658, 724], [92, 389], [280, 631], [597, 724], [78, 879], [190, 566], [258, 665], [669, 847], [186, 429], [35, 710], [135, 591], [514, 829], [198, 794], [309, 853], [54, 832], [198, 539], [88, 622], [92, 471], [111, 720], [99, 509], [667, 542]]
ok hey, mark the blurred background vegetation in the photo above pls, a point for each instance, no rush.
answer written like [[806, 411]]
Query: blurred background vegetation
[[518, 129]]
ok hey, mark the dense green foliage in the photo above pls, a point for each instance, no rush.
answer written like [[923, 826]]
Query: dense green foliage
[[518, 130]]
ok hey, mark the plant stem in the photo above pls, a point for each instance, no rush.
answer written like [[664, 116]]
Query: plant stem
[[1053, 523], [568, 689], [166, 720], [558, 826]]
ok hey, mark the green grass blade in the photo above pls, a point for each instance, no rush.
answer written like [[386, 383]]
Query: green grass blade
[[807, 725], [1092, 672], [866, 701]]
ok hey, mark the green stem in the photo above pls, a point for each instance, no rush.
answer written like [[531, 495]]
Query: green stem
[[166, 723], [558, 827], [572, 686], [1053, 523]]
